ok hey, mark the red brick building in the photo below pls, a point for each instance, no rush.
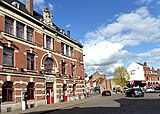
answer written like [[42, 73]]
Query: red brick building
[[143, 75], [99, 81], [37, 59]]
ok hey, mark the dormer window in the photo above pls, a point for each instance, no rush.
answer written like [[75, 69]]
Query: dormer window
[[15, 4]]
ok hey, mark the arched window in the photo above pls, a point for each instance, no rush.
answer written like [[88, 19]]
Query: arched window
[[7, 91], [30, 90], [48, 65]]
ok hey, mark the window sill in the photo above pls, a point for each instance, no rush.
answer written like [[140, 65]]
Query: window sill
[[33, 71], [8, 102], [49, 49], [22, 39], [67, 55], [9, 68]]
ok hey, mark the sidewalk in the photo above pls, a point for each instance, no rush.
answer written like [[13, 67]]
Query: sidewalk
[[56, 106]]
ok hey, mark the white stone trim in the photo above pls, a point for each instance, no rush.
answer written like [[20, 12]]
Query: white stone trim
[[20, 82], [40, 83], [59, 83], [39, 89], [79, 88], [37, 95], [17, 96], [55, 92], [21, 75], [1, 82], [19, 89]]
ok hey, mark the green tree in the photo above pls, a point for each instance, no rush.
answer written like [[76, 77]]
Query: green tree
[[121, 76]]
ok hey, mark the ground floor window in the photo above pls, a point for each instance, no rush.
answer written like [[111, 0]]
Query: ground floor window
[[7, 91]]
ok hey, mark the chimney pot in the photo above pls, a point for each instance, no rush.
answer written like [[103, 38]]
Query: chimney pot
[[68, 33]]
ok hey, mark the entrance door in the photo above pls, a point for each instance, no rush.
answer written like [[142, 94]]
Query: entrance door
[[50, 96], [64, 92]]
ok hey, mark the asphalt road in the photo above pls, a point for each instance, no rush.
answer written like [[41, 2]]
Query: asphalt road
[[116, 104]]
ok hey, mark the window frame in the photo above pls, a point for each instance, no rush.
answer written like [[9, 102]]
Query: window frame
[[71, 51], [72, 69], [20, 29], [48, 42], [30, 61], [10, 25], [62, 48], [30, 34], [7, 55], [30, 91], [63, 68], [5, 92], [48, 62], [67, 49]]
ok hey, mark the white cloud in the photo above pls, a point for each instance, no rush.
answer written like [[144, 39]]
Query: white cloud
[[158, 2], [50, 6], [152, 57], [104, 47], [146, 2], [39, 5], [68, 26]]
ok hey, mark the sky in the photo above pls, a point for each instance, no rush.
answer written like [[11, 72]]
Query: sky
[[113, 32]]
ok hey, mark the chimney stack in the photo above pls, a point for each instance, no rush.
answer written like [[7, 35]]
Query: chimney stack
[[29, 6], [68, 33]]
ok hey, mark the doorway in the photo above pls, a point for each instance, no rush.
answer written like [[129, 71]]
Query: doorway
[[49, 93]]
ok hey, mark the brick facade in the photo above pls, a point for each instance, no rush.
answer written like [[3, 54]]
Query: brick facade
[[49, 87]]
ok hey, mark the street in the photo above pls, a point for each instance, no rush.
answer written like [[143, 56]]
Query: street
[[115, 104]]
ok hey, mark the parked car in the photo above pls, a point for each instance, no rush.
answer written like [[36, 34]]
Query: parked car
[[106, 93], [125, 89], [157, 89], [150, 89], [134, 92]]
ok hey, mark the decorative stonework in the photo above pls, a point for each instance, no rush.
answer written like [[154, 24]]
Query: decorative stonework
[[47, 17], [8, 78]]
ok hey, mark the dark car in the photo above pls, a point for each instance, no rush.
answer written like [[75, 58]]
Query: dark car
[[157, 89], [106, 93], [134, 92]]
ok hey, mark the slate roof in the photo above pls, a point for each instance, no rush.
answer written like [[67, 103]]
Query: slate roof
[[37, 16], [22, 7]]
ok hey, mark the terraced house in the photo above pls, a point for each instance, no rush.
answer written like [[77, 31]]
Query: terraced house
[[39, 62]]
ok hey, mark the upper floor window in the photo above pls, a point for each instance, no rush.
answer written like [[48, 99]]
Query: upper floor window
[[20, 30], [29, 34], [9, 25], [67, 49], [30, 61], [7, 91], [71, 51], [72, 69], [48, 65], [30, 90], [63, 68], [8, 56], [62, 48], [48, 42]]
